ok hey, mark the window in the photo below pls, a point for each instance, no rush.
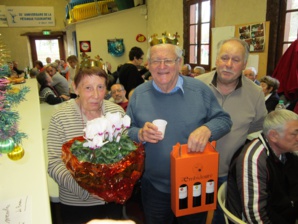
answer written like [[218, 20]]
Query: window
[[197, 32], [291, 24]]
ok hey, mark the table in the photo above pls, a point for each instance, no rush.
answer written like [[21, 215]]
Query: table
[[24, 181]]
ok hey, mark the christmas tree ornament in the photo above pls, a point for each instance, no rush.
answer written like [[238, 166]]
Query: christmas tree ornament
[[6, 145], [17, 153]]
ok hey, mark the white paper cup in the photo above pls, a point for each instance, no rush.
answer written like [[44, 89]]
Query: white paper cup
[[161, 124]]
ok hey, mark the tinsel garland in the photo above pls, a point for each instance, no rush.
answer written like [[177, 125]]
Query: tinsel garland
[[10, 96]]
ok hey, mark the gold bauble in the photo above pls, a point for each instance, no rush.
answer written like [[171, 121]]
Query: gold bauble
[[17, 153]]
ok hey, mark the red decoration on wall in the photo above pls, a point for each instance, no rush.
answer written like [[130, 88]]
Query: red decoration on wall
[[140, 38], [85, 46]]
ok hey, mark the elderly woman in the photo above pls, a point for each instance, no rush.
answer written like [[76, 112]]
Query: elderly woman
[[77, 204], [270, 86], [47, 93]]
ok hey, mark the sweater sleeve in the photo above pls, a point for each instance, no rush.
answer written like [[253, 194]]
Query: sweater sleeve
[[56, 168]]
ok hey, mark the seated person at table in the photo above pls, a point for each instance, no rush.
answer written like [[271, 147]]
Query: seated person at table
[[251, 73], [270, 86], [186, 70], [198, 70], [39, 66], [77, 204], [263, 176], [58, 81], [12, 73], [33, 73], [46, 92], [118, 93], [15, 68]]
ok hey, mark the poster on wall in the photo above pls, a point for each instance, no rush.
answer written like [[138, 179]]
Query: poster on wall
[[254, 35], [3, 19], [20, 16]]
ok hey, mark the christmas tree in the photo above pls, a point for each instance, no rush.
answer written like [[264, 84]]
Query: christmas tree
[[10, 137]]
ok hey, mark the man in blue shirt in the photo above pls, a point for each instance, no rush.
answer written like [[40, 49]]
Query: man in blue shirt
[[168, 96]]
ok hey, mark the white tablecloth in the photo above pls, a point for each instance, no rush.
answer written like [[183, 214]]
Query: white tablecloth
[[25, 180]]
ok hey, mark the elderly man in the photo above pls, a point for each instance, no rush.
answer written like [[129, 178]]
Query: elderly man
[[186, 70], [118, 94], [239, 97], [167, 97], [263, 178], [251, 73], [198, 70]]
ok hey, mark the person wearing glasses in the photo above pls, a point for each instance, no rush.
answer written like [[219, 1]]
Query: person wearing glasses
[[263, 179], [129, 75], [167, 96], [118, 95]]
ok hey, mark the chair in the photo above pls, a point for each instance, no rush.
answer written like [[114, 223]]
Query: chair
[[221, 198]]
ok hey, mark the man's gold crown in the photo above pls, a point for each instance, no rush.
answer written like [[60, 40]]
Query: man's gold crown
[[166, 38]]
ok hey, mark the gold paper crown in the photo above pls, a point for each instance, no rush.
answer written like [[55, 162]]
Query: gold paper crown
[[166, 38]]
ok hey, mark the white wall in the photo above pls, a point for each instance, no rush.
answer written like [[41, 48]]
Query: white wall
[[125, 24]]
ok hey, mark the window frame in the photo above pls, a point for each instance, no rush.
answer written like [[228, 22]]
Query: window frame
[[186, 31]]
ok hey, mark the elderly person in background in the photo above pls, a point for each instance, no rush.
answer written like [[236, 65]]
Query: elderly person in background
[[15, 68], [167, 97], [58, 81], [263, 177], [72, 61], [198, 70], [46, 92], [33, 73], [186, 70], [118, 94], [251, 73], [270, 86], [77, 204]]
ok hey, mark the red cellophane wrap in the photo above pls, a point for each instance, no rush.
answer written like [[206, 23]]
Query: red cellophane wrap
[[112, 182]]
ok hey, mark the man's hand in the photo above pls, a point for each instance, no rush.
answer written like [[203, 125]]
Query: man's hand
[[198, 139], [150, 133]]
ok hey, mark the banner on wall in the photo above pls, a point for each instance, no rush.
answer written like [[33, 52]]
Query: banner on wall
[[20, 16], [3, 19]]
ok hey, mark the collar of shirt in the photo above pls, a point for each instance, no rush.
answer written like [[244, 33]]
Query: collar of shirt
[[179, 85], [266, 97], [214, 81]]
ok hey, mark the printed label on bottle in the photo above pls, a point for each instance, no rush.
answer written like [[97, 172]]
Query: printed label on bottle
[[183, 191], [210, 187], [197, 190]]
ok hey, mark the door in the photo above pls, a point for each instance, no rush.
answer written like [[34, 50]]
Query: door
[[47, 46]]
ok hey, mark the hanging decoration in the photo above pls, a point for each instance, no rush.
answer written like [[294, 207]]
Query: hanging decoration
[[141, 38], [116, 47]]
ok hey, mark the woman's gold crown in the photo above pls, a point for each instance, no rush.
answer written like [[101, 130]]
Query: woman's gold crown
[[166, 38]]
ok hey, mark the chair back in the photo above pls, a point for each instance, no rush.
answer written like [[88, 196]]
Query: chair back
[[221, 198]]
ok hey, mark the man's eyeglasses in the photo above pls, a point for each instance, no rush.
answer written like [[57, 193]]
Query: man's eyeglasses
[[117, 91], [167, 62]]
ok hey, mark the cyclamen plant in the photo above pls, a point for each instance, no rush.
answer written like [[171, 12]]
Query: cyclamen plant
[[106, 140], [106, 129]]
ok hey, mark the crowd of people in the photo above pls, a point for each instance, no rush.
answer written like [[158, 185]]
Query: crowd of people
[[225, 105]]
